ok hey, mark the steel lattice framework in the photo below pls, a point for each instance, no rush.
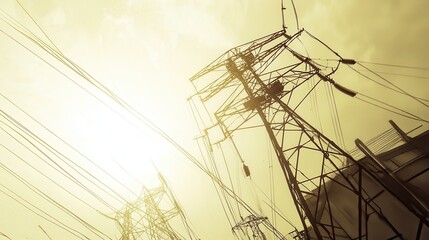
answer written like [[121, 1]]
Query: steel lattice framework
[[253, 223], [266, 78], [150, 215]]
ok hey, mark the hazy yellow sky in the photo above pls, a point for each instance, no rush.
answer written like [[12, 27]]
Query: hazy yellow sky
[[145, 51]]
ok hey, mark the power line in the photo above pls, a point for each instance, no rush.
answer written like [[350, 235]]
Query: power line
[[38, 26], [394, 65], [54, 220], [76, 150], [402, 75], [45, 232], [57, 154], [383, 85], [395, 86], [47, 177], [392, 109], [54, 202], [4, 235], [143, 119]]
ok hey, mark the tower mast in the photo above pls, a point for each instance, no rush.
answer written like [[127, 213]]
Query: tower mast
[[253, 84]]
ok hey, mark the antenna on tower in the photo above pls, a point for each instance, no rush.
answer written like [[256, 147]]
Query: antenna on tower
[[283, 8], [283, 15]]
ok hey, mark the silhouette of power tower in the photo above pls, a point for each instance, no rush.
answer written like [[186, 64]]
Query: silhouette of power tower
[[251, 222], [151, 216], [265, 83]]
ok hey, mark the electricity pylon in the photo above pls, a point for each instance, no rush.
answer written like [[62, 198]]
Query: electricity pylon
[[253, 223], [150, 216], [266, 78]]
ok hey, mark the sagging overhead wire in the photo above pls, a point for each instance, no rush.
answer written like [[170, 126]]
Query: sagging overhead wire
[[375, 102], [350, 62], [225, 203], [403, 75], [395, 65], [32, 139], [386, 106], [324, 44], [43, 230], [387, 86], [38, 26], [229, 174], [55, 203], [390, 108], [4, 235], [41, 213], [125, 106], [48, 177], [74, 149], [50, 199], [393, 85]]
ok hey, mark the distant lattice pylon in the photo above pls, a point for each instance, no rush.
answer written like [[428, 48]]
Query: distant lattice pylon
[[252, 222], [150, 216]]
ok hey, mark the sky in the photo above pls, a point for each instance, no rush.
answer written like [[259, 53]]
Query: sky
[[145, 52]]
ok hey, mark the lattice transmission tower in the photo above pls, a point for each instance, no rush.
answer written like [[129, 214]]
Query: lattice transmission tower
[[151, 216], [252, 222], [265, 83]]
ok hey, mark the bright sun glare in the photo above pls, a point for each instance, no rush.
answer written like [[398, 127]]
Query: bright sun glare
[[126, 150]]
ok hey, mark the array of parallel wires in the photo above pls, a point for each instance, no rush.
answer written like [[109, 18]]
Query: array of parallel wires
[[54, 52], [47, 153], [207, 154], [382, 142], [364, 71], [330, 95], [386, 140], [390, 138], [182, 213], [377, 78], [51, 156], [335, 118], [70, 169], [4, 235], [60, 163], [232, 205]]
